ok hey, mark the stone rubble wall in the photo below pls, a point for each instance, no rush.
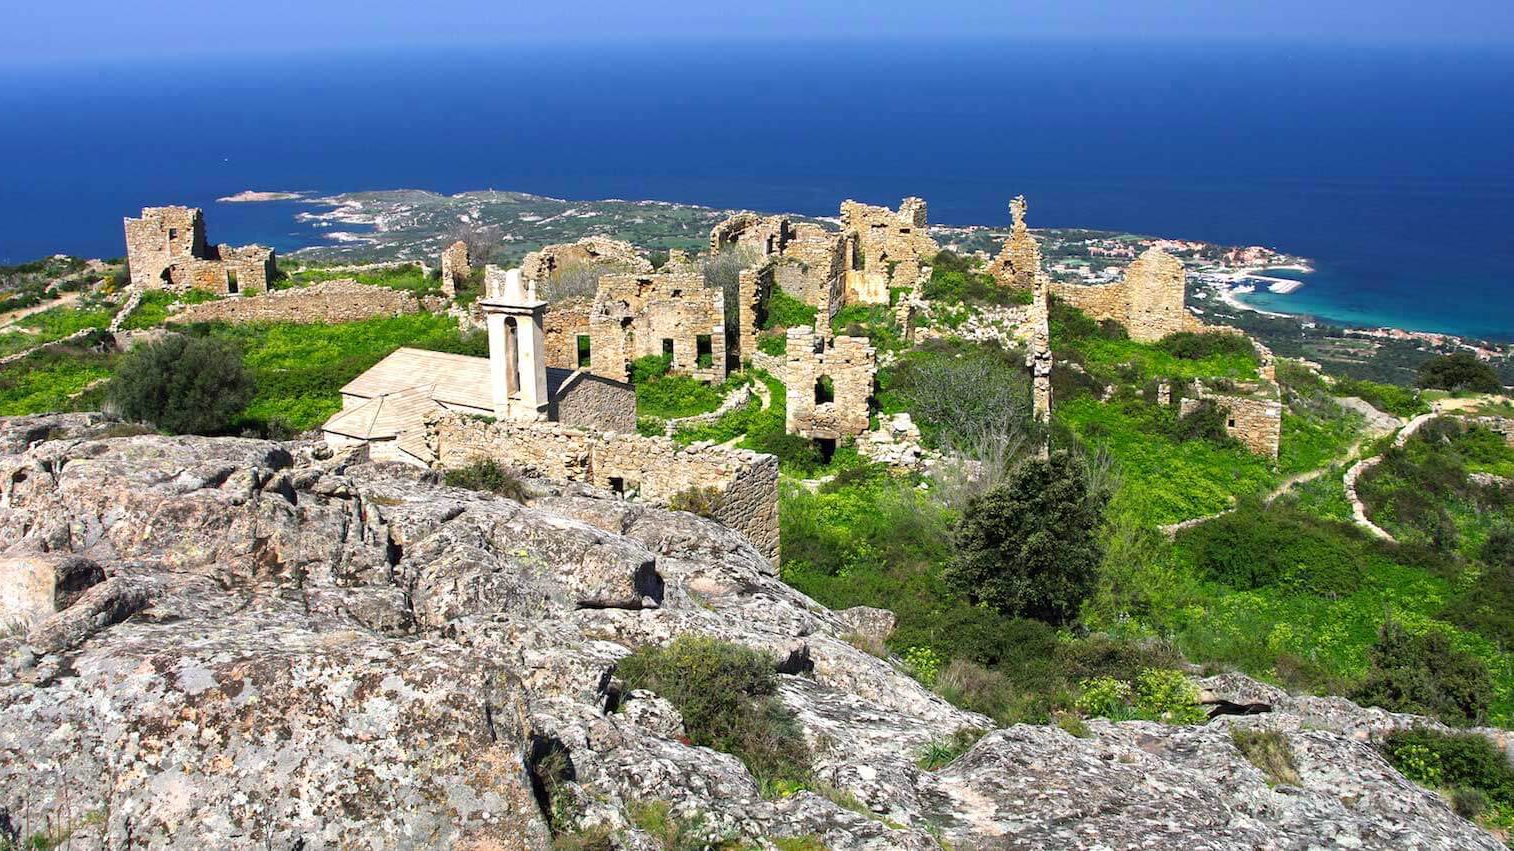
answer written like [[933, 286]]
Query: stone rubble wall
[[851, 363], [634, 313], [539, 265], [591, 402], [1501, 425], [564, 321], [652, 469], [1256, 423], [329, 302], [1149, 302], [737, 398], [893, 246], [1019, 263], [755, 286], [814, 260], [167, 246], [455, 268]]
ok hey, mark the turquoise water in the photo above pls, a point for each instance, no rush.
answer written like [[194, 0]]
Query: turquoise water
[[1392, 169]]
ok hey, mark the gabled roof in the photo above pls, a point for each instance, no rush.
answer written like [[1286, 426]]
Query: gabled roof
[[386, 416], [452, 379]]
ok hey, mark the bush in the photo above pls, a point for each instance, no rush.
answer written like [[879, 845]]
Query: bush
[[1162, 694], [1188, 345], [1398, 401], [785, 311], [182, 385], [776, 345], [1254, 548], [704, 501], [1459, 371], [650, 367], [792, 450], [1204, 421], [1423, 674], [1269, 751], [489, 476], [1454, 760], [1029, 546], [1104, 697], [725, 693]]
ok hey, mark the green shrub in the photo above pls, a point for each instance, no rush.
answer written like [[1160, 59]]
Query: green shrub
[[1203, 421], [650, 367], [488, 475], [725, 693], [1424, 674], [1188, 345], [1460, 371], [1255, 548], [183, 385], [923, 664], [1398, 401], [1451, 760], [794, 452], [961, 286], [785, 311], [674, 396], [1269, 751], [1469, 803], [1165, 695], [1104, 697], [1029, 546], [776, 345], [704, 501]]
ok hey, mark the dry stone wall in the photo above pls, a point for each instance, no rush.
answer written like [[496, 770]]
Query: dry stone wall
[[649, 314], [455, 268], [812, 261], [850, 364], [564, 322], [1149, 302], [1257, 423], [653, 469], [1019, 262], [893, 246], [540, 265], [326, 302]]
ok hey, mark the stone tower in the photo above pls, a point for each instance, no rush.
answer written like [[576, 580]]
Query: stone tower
[[1020, 260], [517, 356]]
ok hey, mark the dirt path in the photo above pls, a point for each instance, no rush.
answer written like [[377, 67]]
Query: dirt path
[[8, 320]]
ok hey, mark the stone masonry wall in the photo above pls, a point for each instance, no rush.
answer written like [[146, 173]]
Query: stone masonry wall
[[634, 314], [588, 401], [893, 246], [564, 321], [1019, 262], [160, 237], [1149, 302], [455, 268], [539, 265], [755, 286], [813, 260], [653, 469], [326, 302], [851, 364], [1256, 423]]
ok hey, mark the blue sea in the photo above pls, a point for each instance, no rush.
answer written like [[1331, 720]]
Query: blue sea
[[1392, 168]]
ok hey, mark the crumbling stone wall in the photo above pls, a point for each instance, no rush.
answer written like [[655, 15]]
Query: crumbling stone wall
[[1256, 422], [1019, 262], [564, 323], [1038, 354], [850, 363], [326, 302], [893, 247], [591, 402], [812, 263], [1149, 302], [754, 288], [166, 247], [538, 266], [653, 469], [643, 314], [455, 268], [1500, 425]]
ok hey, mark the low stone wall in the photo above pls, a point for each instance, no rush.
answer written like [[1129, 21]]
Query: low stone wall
[[652, 468], [1501, 425], [328, 302], [1256, 423], [737, 398]]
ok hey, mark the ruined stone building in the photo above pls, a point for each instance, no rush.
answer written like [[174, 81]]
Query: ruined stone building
[[166, 248], [1149, 301], [673, 314], [455, 268], [807, 261], [829, 385], [1253, 413], [891, 247], [611, 255], [386, 407], [1019, 262]]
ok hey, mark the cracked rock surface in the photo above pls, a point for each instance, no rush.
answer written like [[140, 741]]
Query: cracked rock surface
[[232, 643]]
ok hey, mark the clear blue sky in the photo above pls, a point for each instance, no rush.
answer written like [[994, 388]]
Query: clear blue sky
[[71, 31]]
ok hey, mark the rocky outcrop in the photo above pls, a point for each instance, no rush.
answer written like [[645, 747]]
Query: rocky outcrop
[[232, 643]]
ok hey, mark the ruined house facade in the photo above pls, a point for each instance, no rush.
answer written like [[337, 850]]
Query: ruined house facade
[[673, 314], [829, 384], [1253, 415], [539, 266], [1149, 302], [808, 262], [892, 248], [1019, 263], [455, 268], [166, 248]]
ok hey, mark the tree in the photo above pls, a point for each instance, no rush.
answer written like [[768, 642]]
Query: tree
[[182, 385], [1028, 546], [1459, 371], [1423, 673]]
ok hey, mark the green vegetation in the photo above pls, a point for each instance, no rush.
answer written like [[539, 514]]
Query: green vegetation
[[1459, 371], [955, 280], [183, 385], [152, 310], [55, 380], [1105, 351], [54, 324], [873, 321], [1270, 752], [785, 311], [725, 693], [1028, 547], [1157, 694], [704, 501], [1467, 766], [1424, 674], [489, 476], [962, 395], [1188, 345], [775, 344], [1398, 401], [1316, 435], [673, 396], [649, 368]]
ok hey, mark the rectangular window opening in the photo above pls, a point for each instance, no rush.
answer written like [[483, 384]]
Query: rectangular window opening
[[704, 351], [584, 350]]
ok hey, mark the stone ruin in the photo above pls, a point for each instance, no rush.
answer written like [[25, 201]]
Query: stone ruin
[[807, 261], [1150, 302], [166, 248], [893, 248], [1019, 263], [655, 313], [328, 302], [1253, 414], [612, 254], [455, 268], [829, 385], [651, 469]]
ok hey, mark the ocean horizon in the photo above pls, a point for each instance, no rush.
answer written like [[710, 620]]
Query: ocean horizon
[[1391, 168]]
